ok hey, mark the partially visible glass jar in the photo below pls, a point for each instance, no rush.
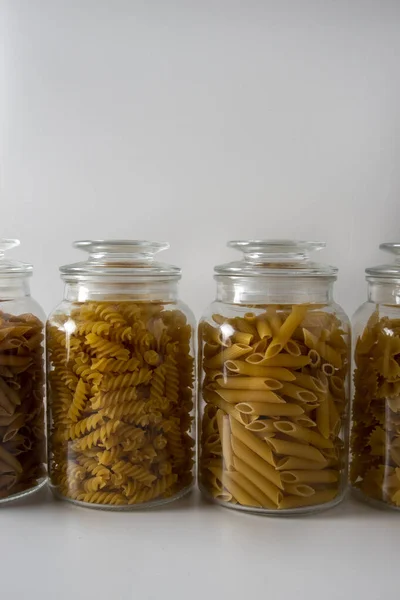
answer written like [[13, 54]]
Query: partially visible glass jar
[[274, 387], [120, 380], [375, 433], [22, 401]]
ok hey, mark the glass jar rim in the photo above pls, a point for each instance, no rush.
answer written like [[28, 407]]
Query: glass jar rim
[[277, 258], [10, 267], [386, 271], [119, 260]]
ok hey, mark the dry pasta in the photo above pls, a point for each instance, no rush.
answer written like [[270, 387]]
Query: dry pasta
[[22, 427], [275, 408], [120, 400], [375, 438]]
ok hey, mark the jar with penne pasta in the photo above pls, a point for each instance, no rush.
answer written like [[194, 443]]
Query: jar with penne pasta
[[120, 380], [22, 400], [273, 391], [375, 429]]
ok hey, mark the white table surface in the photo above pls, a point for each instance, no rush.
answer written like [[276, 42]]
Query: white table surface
[[194, 550]]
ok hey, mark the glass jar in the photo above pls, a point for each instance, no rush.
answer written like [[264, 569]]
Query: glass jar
[[375, 432], [274, 392], [22, 409], [120, 380]]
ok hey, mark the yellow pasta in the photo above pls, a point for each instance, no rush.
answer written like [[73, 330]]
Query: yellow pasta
[[120, 403], [22, 423], [375, 437], [285, 393]]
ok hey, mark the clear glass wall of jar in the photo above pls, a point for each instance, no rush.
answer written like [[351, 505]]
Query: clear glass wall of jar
[[274, 384], [22, 402], [120, 380], [375, 433]]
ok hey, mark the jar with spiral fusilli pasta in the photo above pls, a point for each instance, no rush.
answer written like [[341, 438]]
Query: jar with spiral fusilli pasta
[[375, 428], [120, 380], [22, 385], [274, 385]]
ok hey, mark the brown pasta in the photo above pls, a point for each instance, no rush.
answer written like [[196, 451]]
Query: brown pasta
[[274, 417], [375, 438], [120, 389], [22, 426]]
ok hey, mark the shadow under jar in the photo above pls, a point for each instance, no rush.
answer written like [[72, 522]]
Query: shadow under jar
[[120, 380], [274, 360], [375, 431], [22, 408]]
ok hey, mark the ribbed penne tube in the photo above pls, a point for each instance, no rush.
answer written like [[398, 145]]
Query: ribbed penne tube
[[302, 433], [295, 449], [304, 421], [274, 320], [236, 396], [263, 328], [255, 492], [229, 409], [298, 393], [231, 353], [256, 462], [314, 358], [322, 416], [268, 409], [261, 427], [309, 382], [240, 337], [301, 476], [268, 488], [225, 437], [241, 495], [324, 350], [293, 462], [250, 383], [292, 348], [252, 442], [299, 489], [280, 360], [328, 369], [320, 497], [222, 496], [285, 331], [243, 368]]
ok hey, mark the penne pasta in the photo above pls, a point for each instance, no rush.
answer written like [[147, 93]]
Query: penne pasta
[[268, 488], [250, 383], [267, 409], [282, 403], [295, 449], [324, 476], [303, 434], [281, 360], [237, 396], [243, 368], [320, 497], [252, 442], [254, 461], [231, 353], [240, 494]]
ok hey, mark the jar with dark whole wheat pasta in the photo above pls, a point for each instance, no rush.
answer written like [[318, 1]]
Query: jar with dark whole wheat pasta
[[120, 380], [274, 385], [22, 389], [375, 428]]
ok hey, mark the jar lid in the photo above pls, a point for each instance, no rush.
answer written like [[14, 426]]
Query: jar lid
[[391, 271], [9, 268], [120, 259], [286, 258]]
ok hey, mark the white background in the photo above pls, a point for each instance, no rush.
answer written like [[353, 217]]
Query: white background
[[199, 122]]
